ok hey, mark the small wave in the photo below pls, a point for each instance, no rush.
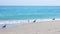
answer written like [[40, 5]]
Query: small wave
[[24, 21]]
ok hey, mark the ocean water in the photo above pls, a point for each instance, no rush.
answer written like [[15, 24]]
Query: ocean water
[[29, 12]]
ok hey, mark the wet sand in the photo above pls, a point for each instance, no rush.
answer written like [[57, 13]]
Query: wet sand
[[43, 27]]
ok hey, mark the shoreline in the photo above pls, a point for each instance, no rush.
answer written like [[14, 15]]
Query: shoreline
[[12, 23]]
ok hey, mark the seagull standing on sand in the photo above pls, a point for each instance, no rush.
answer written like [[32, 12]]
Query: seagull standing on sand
[[4, 26]]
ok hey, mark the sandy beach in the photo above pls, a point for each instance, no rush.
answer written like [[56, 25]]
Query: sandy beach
[[42, 27]]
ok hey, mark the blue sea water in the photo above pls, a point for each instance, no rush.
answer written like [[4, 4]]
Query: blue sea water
[[29, 12]]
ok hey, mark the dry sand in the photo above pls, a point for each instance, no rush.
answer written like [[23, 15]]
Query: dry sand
[[43, 27]]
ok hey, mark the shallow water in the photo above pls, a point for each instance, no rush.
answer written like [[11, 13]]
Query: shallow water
[[29, 12]]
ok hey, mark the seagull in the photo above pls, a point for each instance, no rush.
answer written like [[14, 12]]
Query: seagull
[[4, 26]]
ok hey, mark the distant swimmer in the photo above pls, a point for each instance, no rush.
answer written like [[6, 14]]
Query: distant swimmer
[[4, 26]]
